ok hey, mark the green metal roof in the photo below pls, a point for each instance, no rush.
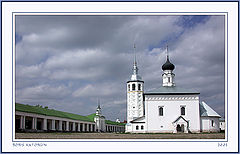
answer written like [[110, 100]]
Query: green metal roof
[[91, 116], [61, 114], [113, 123], [50, 112], [171, 90]]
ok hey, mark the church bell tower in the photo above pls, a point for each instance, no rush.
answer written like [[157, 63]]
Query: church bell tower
[[135, 107]]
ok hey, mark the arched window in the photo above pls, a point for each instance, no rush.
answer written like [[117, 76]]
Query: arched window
[[161, 111], [182, 110], [142, 127], [137, 127], [133, 86], [139, 86]]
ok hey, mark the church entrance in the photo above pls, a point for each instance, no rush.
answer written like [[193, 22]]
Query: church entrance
[[181, 125], [180, 129]]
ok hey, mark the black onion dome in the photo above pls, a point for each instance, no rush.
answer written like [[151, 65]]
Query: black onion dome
[[168, 65]]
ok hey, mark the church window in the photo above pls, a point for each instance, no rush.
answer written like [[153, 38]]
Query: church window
[[133, 86], [142, 127], [137, 127], [182, 110], [129, 87], [161, 111], [168, 79], [139, 86]]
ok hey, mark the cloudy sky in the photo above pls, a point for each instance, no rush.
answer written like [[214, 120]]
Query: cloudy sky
[[69, 62]]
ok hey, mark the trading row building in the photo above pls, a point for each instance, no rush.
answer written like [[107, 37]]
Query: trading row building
[[38, 119]]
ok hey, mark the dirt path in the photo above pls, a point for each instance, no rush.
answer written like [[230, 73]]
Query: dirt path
[[117, 136]]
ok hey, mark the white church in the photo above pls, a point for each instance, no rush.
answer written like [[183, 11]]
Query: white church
[[167, 109]]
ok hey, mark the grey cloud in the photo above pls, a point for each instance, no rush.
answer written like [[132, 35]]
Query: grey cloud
[[80, 59]]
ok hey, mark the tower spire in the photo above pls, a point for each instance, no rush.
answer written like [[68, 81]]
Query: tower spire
[[135, 75], [134, 50], [167, 51], [98, 104], [135, 68]]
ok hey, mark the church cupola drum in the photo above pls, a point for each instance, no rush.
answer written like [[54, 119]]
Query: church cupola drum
[[135, 94], [168, 75]]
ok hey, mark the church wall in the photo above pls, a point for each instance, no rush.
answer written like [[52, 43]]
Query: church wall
[[210, 124], [138, 127], [128, 127], [171, 111], [132, 126]]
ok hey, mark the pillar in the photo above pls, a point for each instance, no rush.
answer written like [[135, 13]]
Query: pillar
[[67, 125], [22, 122], [60, 125], [74, 127], [34, 123], [87, 127], [78, 129], [83, 127], [53, 125], [44, 124]]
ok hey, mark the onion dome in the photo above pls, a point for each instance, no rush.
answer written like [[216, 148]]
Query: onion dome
[[168, 65]]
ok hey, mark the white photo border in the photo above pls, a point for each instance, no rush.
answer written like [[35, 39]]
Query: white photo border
[[11, 9]]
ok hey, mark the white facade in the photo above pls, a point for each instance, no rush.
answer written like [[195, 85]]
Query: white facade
[[209, 119], [171, 106], [135, 100], [210, 124], [168, 109]]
